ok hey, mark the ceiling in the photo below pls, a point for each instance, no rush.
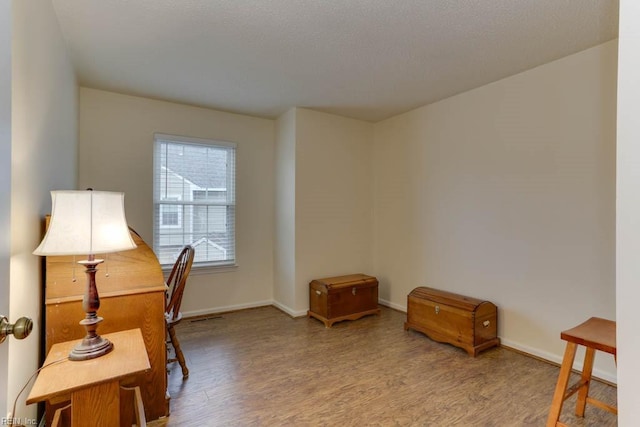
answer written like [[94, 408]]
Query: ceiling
[[366, 59]]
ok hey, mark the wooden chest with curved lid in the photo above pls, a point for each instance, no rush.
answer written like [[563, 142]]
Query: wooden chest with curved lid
[[466, 322], [349, 297]]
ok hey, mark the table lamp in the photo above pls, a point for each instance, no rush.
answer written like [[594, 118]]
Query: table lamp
[[87, 223]]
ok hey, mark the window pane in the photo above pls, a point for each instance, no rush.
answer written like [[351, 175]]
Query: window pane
[[194, 197]]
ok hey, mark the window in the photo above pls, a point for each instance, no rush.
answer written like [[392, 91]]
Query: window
[[194, 199]]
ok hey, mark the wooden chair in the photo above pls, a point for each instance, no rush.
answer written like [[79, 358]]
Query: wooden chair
[[594, 334], [176, 283]]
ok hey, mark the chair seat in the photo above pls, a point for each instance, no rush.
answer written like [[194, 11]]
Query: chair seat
[[595, 333], [173, 320]]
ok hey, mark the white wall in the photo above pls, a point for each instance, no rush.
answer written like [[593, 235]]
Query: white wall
[[285, 211], [43, 158], [628, 213], [5, 187], [334, 199], [507, 193], [116, 153]]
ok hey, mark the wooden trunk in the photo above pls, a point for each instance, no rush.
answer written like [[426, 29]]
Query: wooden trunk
[[343, 298], [465, 322]]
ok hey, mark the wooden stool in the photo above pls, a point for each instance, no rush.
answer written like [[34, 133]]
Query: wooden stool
[[594, 334]]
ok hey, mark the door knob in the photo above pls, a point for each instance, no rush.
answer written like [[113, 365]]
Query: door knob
[[21, 329]]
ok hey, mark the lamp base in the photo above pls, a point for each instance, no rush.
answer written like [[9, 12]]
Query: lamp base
[[91, 348], [93, 345]]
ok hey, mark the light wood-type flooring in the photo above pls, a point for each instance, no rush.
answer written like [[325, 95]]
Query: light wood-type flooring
[[260, 367]]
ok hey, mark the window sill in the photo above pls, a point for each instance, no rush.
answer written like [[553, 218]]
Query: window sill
[[205, 269]]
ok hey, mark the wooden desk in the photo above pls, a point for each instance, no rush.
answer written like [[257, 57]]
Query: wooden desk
[[93, 386], [132, 296]]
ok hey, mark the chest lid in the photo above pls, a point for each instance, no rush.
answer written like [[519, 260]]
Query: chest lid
[[350, 280], [446, 298]]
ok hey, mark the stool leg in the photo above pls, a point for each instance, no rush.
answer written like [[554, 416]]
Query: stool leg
[[589, 356], [561, 385]]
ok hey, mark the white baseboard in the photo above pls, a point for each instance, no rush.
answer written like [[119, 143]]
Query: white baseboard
[[288, 310], [389, 304], [556, 359], [291, 312], [266, 303], [225, 309]]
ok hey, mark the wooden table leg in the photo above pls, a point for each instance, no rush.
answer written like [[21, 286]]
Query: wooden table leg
[[99, 405]]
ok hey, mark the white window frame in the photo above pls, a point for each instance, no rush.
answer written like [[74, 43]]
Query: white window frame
[[198, 266]]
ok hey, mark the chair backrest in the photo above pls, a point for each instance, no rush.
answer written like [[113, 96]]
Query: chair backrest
[[178, 279]]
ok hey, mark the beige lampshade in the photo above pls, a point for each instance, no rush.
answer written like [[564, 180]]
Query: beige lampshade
[[86, 222]]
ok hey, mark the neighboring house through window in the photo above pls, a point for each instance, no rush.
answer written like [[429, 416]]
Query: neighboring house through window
[[170, 215], [194, 199]]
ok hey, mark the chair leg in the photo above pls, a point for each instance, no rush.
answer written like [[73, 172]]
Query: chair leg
[[581, 403], [179, 355], [561, 385]]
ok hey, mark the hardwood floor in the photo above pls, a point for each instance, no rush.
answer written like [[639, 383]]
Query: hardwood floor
[[260, 367]]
